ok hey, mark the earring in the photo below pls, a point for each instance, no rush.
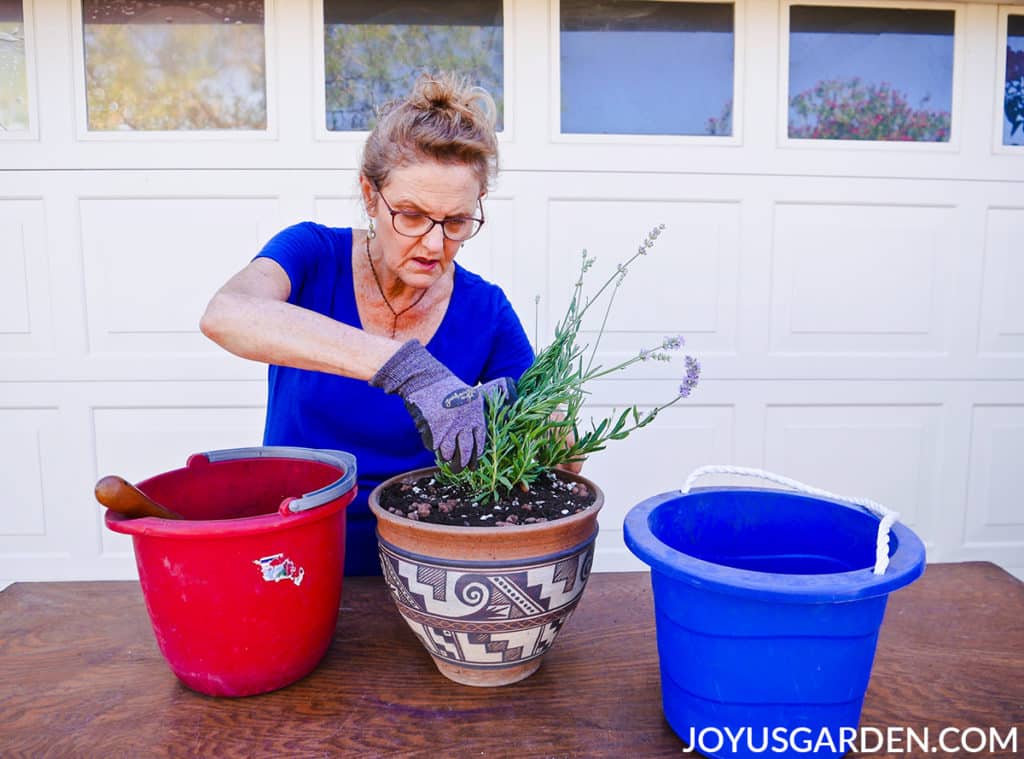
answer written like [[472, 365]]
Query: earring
[[371, 232]]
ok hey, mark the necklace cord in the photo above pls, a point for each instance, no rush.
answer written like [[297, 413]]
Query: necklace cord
[[380, 289]]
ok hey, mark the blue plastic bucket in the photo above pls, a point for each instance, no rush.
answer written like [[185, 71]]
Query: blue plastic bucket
[[767, 609]]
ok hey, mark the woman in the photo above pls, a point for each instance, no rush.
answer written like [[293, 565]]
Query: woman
[[377, 341]]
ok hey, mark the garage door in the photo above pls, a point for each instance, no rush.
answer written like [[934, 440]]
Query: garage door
[[841, 185]]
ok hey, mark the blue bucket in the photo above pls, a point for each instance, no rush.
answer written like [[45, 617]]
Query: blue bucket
[[767, 608]]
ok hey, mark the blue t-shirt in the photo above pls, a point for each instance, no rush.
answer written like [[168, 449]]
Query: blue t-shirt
[[480, 338]]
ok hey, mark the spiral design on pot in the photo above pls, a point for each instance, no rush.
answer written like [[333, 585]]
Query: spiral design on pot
[[473, 591]]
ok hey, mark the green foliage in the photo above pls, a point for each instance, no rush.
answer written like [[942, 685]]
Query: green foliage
[[1013, 100], [850, 109], [171, 77], [722, 125], [541, 428], [13, 79], [366, 65]]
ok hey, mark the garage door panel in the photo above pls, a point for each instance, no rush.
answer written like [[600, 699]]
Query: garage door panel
[[656, 461], [686, 285], [26, 435], [995, 504], [26, 323], [861, 279], [1002, 316], [889, 453], [151, 265], [678, 441], [338, 211], [491, 254], [139, 442]]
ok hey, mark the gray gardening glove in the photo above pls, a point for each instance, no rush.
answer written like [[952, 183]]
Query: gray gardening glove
[[449, 414]]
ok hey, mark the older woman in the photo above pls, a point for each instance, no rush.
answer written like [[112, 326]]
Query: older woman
[[377, 340]]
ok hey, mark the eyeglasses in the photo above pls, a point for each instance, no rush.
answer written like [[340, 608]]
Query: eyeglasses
[[415, 224]]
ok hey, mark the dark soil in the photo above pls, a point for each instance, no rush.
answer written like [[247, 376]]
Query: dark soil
[[427, 501]]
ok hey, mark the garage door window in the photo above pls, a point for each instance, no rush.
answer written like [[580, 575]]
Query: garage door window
[[187, 65], [646, 68], [373, 49], [13, 68], [1013, 99], [859, 73]]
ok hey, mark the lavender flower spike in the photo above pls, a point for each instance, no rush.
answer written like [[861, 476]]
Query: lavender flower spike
[[692, 377], [674, 342]]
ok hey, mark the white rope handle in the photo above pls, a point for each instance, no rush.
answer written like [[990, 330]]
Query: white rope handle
[[888, 516]]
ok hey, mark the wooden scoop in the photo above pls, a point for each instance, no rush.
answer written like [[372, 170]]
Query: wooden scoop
[[119, 495]]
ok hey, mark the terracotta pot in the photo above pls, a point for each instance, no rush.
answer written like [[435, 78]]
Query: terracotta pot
[[486, 602]]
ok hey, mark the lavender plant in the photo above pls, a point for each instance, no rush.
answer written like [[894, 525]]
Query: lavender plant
[[542, 429]]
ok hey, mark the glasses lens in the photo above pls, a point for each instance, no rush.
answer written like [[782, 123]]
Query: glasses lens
[[461, 229], [412, 224]]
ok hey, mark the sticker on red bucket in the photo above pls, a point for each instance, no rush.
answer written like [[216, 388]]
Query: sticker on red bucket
[[276, 568]]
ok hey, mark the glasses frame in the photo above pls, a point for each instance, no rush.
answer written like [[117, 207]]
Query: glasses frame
[[434, 222]]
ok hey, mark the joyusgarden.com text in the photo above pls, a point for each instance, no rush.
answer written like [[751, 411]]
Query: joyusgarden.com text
[[865, 740]]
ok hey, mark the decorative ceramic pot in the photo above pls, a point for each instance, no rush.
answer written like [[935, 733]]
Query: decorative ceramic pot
[[486, 602]]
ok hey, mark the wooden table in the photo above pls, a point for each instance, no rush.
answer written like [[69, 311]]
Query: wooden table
[[80, 675]]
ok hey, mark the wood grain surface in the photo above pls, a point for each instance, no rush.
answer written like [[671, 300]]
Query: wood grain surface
[[80, 675]]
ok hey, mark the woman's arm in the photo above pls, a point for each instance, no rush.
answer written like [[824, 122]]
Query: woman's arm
[[250, 317]]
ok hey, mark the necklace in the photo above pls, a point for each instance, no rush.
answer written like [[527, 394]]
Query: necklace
[[380, 289]]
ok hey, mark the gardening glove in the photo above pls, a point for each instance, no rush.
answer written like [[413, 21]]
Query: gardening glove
[[449, 414]]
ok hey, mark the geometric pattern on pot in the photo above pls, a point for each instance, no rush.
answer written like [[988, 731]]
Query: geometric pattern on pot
[[489, 649], [486, 615]]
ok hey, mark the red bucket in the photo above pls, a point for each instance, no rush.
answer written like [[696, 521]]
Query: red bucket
[[244, 592]]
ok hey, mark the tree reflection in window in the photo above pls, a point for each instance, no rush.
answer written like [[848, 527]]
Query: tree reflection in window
[[859, 73], [185, 65], [13, 77], [374, 49], [1013, 101]]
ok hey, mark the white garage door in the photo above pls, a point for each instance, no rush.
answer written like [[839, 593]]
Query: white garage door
[[841, 185]]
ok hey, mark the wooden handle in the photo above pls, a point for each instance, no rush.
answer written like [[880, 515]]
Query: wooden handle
[[119, 495]]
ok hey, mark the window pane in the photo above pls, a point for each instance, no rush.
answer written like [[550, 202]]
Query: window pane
[[646, 67], [1013, 104], [870, 74], [13, 77], [179, 65], [374, 49]]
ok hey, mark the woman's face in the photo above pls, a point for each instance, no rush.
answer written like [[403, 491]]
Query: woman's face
[[438, 190]]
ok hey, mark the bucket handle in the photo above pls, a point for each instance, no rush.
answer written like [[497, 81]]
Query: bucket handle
[[336, 489], [888, 516]]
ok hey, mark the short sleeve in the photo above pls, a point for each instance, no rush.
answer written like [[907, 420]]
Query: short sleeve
[[511, 353], [297, 249]]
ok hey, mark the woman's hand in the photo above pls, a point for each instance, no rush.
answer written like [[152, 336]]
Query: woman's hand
[[573, 467], [449, 414]]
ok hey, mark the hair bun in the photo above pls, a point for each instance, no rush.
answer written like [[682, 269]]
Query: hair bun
[[433, 93], [442, 92], [443, 118], [447, 91]]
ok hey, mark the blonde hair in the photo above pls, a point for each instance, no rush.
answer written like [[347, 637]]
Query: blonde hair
[[444, 119]]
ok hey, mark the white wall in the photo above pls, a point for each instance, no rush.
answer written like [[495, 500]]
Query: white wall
[[859, 310]]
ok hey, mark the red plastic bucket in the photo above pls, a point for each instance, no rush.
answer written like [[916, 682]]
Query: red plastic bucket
[[244, 593]]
